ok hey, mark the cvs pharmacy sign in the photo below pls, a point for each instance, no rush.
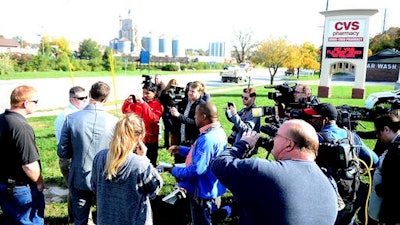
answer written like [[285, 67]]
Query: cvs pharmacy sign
[[346, 30]]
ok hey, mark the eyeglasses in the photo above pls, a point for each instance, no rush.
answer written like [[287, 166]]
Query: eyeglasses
[[289, 139], [245, 98], [81, 98], [279, 135], [35, 101]]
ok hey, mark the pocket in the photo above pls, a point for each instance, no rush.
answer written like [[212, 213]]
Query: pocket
[[22, 195]]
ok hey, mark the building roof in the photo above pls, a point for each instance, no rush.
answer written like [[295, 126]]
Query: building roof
[[386, 56], [5, 42]]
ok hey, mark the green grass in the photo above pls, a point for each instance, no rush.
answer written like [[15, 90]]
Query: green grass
[[56, 213]]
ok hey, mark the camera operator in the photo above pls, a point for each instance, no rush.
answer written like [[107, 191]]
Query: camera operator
[[166, 99], [150, 110], [183, 114], [323, 118], [285, 191], [243, 120], [289, 103]]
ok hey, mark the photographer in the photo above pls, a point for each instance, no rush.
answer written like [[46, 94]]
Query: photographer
[[183, 115], [150, 110], [243, 120], [286, 191], [289, 104], [167, 100], [323, 118]]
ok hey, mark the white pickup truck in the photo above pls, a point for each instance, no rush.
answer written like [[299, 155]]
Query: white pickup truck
[[234, 74]]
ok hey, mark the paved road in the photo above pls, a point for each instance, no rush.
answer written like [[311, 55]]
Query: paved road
[[53, 93]]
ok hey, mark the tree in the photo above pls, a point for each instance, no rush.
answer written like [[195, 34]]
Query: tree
[[271, 54], [303, 57], [243, 45], [387, 39], [89, 49]]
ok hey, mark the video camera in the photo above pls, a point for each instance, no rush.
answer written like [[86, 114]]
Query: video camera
[[284, 93], [176, 93], [349, 117], [147, 80]]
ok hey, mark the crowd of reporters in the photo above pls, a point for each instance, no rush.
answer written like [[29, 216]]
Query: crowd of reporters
[[283, 190]]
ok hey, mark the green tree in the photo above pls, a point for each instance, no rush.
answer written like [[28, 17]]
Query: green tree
[[6, 64], [271, 54], [385, 40], [89, 49]]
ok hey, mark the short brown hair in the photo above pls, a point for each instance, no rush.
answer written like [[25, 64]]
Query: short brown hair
[[251, 91], [21, 94]]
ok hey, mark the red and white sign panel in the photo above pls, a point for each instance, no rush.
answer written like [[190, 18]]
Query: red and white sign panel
[[352, 30]]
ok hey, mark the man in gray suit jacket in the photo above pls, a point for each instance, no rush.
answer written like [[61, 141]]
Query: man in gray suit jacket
[[85, 133]]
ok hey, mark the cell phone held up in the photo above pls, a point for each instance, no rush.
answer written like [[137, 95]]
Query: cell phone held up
[[133, 98], [228, 111]]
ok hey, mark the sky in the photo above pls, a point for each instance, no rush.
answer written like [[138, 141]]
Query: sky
[[194, 23]]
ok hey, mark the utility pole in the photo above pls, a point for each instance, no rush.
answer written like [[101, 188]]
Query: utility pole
[[323, 37]]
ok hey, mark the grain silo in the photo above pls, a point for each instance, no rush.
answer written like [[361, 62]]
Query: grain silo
[[124, 45], [175, 47], [147, 43]]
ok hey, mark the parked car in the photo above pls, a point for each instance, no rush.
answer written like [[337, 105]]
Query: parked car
[[379, 98]]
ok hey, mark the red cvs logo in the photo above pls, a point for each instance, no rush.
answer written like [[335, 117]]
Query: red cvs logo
[[347, 25]]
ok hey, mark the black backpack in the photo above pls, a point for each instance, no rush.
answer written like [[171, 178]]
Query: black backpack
[[339, 160]]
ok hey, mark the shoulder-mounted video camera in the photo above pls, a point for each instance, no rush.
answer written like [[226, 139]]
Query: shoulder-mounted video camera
[[176, 93], [284, 93]]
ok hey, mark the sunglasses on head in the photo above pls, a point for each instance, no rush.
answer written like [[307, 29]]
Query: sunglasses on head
[[80, 98]]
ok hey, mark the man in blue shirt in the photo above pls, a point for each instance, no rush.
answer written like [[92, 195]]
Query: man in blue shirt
[[201, 185]]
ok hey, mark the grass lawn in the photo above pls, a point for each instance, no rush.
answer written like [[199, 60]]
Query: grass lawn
[[56, 213]]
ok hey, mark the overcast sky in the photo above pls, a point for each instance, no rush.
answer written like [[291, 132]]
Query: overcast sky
[[194, 23]]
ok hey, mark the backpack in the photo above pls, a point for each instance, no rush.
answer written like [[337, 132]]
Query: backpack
[[338, 159]]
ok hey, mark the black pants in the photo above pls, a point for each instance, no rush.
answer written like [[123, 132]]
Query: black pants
[[152, 153]]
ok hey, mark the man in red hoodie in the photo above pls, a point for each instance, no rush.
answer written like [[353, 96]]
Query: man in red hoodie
[[150, 110]]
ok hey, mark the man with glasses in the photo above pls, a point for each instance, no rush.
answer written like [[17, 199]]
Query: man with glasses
[[83, 135], [77, 101], [286, 190], [302, 94], [243, 120], [21, 181]]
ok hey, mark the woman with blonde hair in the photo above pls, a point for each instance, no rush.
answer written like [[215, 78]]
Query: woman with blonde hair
[[123, 178]]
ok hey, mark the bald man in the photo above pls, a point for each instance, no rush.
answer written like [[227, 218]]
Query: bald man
[[286, 190]]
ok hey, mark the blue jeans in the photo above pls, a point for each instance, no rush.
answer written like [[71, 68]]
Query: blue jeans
[[81, 202], [200, 210], [24, 206]]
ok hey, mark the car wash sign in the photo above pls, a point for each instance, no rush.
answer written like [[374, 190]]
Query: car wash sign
[[346, 30]]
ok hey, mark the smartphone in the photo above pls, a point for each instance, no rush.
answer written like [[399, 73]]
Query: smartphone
[[133, 98], [230, 104]]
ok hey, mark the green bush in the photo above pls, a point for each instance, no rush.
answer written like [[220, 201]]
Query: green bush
[[170, 67]]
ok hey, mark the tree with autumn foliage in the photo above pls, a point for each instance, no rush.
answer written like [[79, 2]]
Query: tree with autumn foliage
[[271, 54]]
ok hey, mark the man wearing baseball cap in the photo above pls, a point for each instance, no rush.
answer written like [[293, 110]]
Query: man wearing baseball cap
[[323, 118]]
